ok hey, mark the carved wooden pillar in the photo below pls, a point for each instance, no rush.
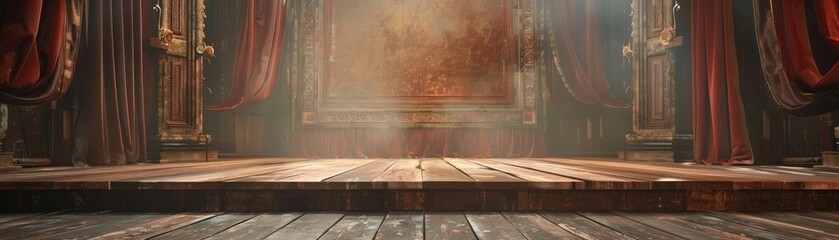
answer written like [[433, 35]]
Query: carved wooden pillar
[[6, 163], [180, 107], [653, 108], [830, 159]]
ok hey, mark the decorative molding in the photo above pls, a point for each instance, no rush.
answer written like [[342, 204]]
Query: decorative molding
[[310, 21], [420, 117], [180, 88], [653, 108], [318, 111]]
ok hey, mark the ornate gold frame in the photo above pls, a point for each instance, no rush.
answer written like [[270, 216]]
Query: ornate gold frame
[[525, 109]]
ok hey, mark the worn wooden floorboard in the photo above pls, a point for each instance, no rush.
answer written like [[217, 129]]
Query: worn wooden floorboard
[[802, 229], [447, 226], [418, 225], [536, 179], [487, 178], [402, 225], [308, 226], [355, 226], [207, 227], [492, 226], [404, 174], [534, 226], [680, 227]]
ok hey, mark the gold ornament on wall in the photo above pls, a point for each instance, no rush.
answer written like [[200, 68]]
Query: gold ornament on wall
[[627, 51], [205, 49], [166, 35], [666, 35]]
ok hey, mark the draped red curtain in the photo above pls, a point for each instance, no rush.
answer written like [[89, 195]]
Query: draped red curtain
[[113, 103], [792, 72], [432, 142], [791, 25], [719, 122], [576, 47], [259, 52], [827, 12], [33, 51]]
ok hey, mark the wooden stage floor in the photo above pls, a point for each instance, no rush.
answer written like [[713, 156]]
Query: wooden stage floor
[[417, 225], [450, 184]]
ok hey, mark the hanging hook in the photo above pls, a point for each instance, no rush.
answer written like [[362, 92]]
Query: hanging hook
[[157, 7], [676, 8], [159, 11]]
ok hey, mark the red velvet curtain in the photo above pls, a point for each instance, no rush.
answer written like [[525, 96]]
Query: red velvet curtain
[[792, 72], [259, 52], [577, 52], [432, 142], [33, 51], [113, 104], [719, 124], [827, 12], [791, 25]]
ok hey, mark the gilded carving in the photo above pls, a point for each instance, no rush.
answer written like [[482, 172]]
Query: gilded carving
[[309, 41], [180, 119]]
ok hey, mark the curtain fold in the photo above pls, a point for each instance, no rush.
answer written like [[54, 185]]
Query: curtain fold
[[259, 53], [794, 40], [790, 69], [827, 12], [111, 125], [418, 143], [576, 46], [36, 54], [719, 124]]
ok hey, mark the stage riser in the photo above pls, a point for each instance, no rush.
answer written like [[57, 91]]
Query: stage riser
[[418, 200]]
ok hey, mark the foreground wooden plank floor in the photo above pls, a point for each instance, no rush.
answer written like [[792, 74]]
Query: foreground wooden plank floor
[[431, 184], [418, 225]]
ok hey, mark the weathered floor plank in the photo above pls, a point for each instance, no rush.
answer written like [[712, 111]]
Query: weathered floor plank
[[679, 227], [493, 226], [361, 177], [416, 225], [438, 174], [309, 226], [583, 227], [825, 225], [405, 225], [446, 226], [487, 178], [206, 228], [43, 226], [122, 221], [749, 231], [355, 226], [16, 216], [158, 227], [537, 179], [773, 226], [257, 227], [404, 174], [628, 227], [533, 226]]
